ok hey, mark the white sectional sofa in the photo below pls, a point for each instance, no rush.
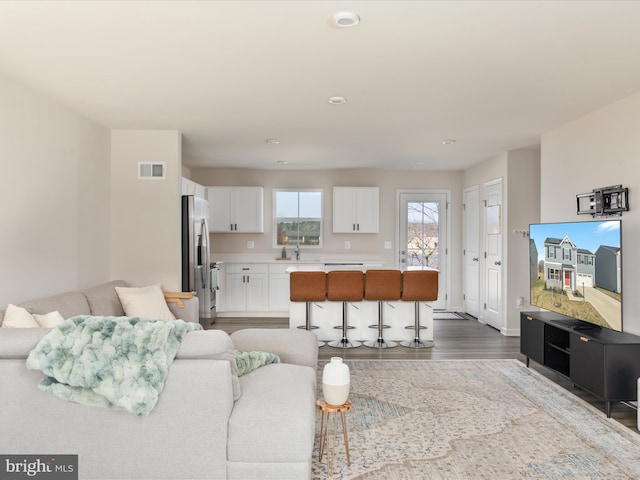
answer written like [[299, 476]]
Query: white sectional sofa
[[196, 431]]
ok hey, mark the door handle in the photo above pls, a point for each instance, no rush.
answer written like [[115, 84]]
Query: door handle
[[475, 259], [497, 262]]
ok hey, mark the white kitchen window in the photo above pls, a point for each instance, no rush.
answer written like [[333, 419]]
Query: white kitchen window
[[297, 218]]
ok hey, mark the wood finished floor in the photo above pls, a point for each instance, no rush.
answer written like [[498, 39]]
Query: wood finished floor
[[454, 339]]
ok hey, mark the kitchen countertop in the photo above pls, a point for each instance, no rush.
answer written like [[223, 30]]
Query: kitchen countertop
[[305, 260], [330, 266]]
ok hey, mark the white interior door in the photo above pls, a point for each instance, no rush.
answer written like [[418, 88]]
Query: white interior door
[[471, 250], [422, 236], [493, 314]]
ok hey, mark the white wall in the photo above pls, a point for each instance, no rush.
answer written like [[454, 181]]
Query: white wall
[[598, 150], [54, 198], [523, 199], [389, 182], [520, 174], [145, 214]]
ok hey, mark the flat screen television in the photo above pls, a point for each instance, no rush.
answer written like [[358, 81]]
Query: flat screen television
[[576, 270]]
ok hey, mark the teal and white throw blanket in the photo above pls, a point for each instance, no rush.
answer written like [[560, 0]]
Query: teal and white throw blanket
[[113, 362], [247, 362]]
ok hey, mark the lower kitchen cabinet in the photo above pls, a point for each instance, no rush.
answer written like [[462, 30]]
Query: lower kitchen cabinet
[[246, 288]]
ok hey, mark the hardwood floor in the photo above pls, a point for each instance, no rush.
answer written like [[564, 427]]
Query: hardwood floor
[[454, 339]]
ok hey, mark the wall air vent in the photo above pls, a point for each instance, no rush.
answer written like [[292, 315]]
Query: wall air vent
[[151, 171]]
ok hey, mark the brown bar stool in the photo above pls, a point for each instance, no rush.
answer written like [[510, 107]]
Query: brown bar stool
[[382, 285], [308, 287], [419, 286], [345, 286]]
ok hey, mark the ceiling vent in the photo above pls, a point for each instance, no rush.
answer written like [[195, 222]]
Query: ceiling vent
[[151, 171]]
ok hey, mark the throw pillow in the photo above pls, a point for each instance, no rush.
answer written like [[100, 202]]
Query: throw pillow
[[146, 302], [48, 320], [18, 317]]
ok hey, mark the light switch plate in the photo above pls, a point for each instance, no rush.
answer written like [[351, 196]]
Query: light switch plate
[[250, 244], [347, 245]]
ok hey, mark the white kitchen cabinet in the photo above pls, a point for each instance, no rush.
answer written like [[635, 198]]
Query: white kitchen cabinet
[[246, 287], [236, 209], [189, 187], [278, 287], [356, 209]]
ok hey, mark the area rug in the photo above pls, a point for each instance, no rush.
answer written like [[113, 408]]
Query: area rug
[[473, 419]]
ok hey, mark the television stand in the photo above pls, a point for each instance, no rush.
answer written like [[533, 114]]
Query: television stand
[[599, 360]]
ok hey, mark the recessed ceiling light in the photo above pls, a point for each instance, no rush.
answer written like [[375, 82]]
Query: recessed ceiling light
[[282, 162], [345, 19], [337, 100], [272, 141], [448, 141]]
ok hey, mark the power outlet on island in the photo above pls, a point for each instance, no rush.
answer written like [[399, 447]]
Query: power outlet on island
[[347, 245]]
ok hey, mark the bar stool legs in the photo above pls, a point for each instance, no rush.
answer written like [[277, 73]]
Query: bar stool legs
[[344, 342], [380, 342], [416, 342], [307, 322]]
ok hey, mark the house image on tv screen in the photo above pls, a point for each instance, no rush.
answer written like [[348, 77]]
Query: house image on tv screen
[[568, 267], [609, 268]]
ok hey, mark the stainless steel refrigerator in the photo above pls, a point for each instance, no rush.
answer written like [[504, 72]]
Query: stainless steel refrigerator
[[196, 255]]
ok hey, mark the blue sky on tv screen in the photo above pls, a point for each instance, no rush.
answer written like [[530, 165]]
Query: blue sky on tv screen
[[587, 235]]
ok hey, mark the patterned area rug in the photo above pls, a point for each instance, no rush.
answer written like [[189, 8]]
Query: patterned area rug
[[473, 419]]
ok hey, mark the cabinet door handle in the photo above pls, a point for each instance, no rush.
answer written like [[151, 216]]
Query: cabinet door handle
[[529, 318], [358, 226], [584, 339], [354, 227]]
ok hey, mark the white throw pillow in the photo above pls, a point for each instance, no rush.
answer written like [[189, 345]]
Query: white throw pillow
[[146, 302], [48, 320], [18, 317]]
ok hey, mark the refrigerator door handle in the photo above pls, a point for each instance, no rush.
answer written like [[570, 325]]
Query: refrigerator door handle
[[203, 246]]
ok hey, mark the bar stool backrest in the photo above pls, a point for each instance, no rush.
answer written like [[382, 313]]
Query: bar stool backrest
[[420, 285], [345, 285], [382, 285], [307, 286]]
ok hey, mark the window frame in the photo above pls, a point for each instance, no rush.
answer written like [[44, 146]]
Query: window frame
[[276, 218]]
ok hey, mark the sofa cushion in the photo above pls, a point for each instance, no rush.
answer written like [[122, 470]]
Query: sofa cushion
[[18, 342], [211, 344], [103, 299], [274, 420], [69, 304], [18, 317], [48, 320], [144, 302]]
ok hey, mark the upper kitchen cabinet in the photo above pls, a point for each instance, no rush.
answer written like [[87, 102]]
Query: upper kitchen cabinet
[[235, 209], [189, 187], [356, 209]]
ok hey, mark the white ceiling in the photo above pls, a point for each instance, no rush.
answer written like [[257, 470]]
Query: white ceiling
[[493, 75]]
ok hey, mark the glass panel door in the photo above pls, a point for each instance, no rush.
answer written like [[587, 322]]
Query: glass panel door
[[423, 236]]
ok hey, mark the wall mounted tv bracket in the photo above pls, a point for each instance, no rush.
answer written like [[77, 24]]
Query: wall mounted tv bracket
[[603, 202]]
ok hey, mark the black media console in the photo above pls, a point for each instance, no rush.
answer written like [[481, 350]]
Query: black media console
[[599, 360]]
